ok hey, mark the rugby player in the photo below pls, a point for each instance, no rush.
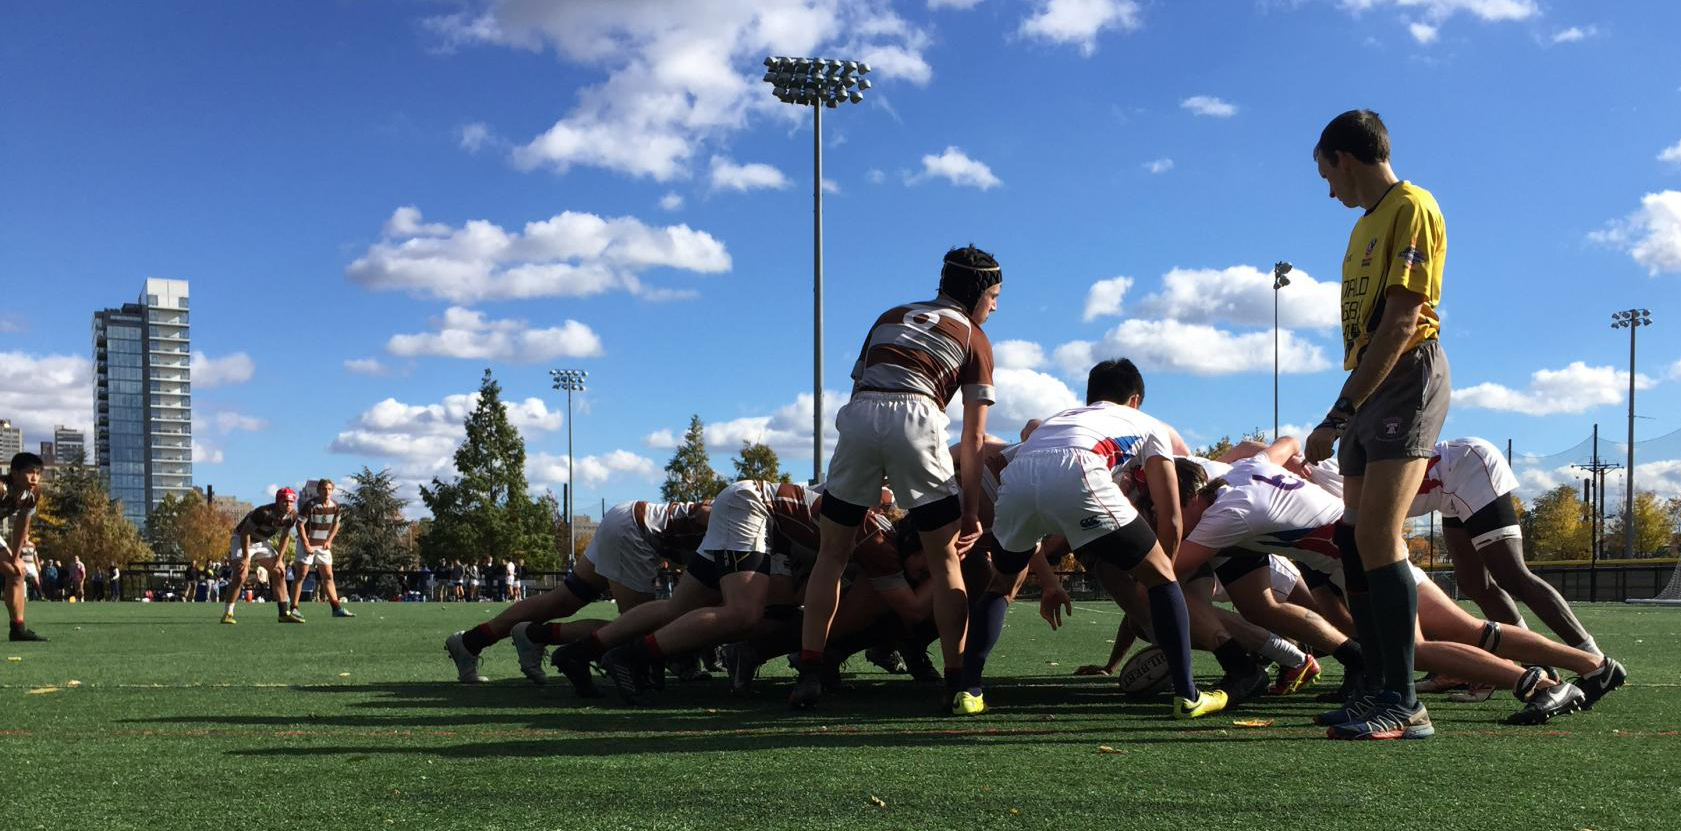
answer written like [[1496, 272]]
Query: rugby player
[[318, 526], [252, 540], [1391, 407], [915, 358], [18, 500]]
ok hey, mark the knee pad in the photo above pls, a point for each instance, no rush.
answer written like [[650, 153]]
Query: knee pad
[[937, 514], [1490, 639], [580, 588], [1011, 562]]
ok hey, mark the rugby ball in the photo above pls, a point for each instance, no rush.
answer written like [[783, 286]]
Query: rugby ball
[[1145, 673]]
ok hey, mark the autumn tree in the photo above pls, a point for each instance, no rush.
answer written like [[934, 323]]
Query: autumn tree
[[78, 517], [689, 476], [1652, 526], [1555, 527]]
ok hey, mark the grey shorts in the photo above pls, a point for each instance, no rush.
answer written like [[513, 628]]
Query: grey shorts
[[1403, 416]]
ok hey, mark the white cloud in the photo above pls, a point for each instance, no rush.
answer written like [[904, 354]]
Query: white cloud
[[1671, 153], [953, 4], [1105, 296], [593, 471], [677, 75], [570, 254], [365, 366], [787, 429], [955, 166], [204, 454], [228, 421], [1243, 295], [1652, 234], [40, 392], [475, 136], [671, 201], [1017, 354], [215, 372], [875, 176], [1078, 22], [1161, 165], [1210, 106], [12, 323], [727, 175], [1424, 33], [1176, 346], [465, 333], [421, 438], [1574, 34], [1491, 10], [1022, 394], [1573, 389], [1674, 373]]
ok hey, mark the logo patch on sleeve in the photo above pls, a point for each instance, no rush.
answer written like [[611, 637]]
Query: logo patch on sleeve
[[1412, 256]]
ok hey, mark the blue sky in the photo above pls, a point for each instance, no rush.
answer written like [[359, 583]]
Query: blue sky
[[374, 201]]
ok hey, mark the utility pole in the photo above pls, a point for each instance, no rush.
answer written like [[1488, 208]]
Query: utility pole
[[1596, 522]]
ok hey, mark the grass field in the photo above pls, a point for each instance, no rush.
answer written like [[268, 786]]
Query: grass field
[[155, 716]]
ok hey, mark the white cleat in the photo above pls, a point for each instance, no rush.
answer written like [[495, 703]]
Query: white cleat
[[466, 663], [531, 654]]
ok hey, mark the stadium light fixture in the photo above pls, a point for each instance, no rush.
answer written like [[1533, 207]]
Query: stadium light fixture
[[817, 83], [1630, 319], [1279, 281], [571, 380]]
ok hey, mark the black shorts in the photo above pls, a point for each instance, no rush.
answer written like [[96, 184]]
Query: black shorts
[[1238, 564], [1124, 547], [1495, 521], [1403, 416], [711, 567], [1315, 578]]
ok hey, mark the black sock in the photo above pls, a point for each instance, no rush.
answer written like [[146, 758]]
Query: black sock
[[1349, 655], [811, 663], [1234, 659], [547, 634], [1172, 622], [986, 624], [478, 637], [18, 628], [1394, 601], [1356, 595], [954, 681], [590, 647]]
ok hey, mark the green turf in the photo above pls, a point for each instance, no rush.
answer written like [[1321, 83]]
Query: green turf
[[178, 722]]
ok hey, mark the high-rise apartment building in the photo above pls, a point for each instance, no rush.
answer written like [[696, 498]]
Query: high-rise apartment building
[[11, 441], [68, 444], [143, 406]]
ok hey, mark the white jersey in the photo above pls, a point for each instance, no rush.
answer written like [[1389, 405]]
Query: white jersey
[[1211, 468], [1463, 477], [1268, 510], [1123, 436], [1326, 475]]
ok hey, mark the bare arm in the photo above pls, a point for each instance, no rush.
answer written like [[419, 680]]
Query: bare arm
[[1164, 492], [1191, 556], [1394, 330], [969, 470]]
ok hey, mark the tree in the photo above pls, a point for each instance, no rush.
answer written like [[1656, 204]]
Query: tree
[[1554, 527], [689, 476], [79, 518], [758, 461], [163, 527], [1225, 444], [488, 509], [373, 535], [1652, 527], [557, 559]]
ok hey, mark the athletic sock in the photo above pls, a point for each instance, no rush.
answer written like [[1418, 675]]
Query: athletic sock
[[230, 609], [986, 624], [1172, 622], [1234, 660], [1349, 655], [1394, 603], [478, 637], [1356, 595], [1283, 652], [17, 627], [547, 634], [1603, 665], [651, 646], [954, 680], [811, 662], [1590, 647], [591, 647], [334, 604]]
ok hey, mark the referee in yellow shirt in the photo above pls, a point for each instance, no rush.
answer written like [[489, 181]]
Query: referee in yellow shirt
[[1390, 410]]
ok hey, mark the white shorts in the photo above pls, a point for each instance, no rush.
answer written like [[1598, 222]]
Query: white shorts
[[28, 557], [620, 553], [321, 556], [898, 435], [740, 520], [260, 550], [1061, 491]]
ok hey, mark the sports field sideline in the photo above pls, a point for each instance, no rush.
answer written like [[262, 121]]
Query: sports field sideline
[[154, 716]]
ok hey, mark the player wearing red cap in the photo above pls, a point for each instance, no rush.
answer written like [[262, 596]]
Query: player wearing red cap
[[253, 540]]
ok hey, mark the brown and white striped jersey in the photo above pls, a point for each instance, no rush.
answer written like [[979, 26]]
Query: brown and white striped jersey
[[795, 530], [675, 529], [319, 520], [932, 348], [265, 521], [20, 502]]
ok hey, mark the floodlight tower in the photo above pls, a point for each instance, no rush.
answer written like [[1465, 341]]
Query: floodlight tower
[[1630, 319], [1279, 281], [817, 83], [571, 380]]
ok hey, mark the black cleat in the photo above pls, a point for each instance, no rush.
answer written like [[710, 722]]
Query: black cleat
[[627, 671], [1557, 700], [742, 661], [806, 692], [887, 659], [1241, 688], [1610, 676], [921, 668], [576, 669], [25, 635]]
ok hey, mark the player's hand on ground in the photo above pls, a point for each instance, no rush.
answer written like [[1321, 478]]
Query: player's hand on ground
[[1319, 444], [1054, 602], [1091, 669]]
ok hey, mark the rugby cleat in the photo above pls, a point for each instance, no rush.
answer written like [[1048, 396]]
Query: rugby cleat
[[343, 612], [966, 703], [887, 659], [1543, 705], [807, 690], [688, 669], [1207, 702], [742, 663], [576, 669], [466, 663], [1387, 719], [1608, 677], [628, 672], [29, 635], [921, 667], [227, 617], [1354, 709], [1291, 680], [291, 617], [1243, 688], [531, 654]]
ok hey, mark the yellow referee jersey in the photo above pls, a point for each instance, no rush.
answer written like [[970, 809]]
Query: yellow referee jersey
[[1401, 242]]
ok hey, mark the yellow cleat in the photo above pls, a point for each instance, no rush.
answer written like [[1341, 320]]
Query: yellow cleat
[[967, 704], [1208, 701], [227, 617]]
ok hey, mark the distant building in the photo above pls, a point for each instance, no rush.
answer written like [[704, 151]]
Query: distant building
[[11, 441], [143, 422], [67, 444], [232, 506]]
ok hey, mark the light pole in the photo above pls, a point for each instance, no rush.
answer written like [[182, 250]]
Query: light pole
[[571, 380], [1279, 281], [817, 83], [1630, 319]]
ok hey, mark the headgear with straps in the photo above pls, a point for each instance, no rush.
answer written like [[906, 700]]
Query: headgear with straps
[[967, 273]]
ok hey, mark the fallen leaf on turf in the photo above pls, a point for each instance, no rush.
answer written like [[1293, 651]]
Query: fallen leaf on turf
[[72, 683], [712, 710], [1253, 722], [1052, 663], [344, 675], [39, 690], [878, 801], [14, 658], [1016, 811], [1103, 748]]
